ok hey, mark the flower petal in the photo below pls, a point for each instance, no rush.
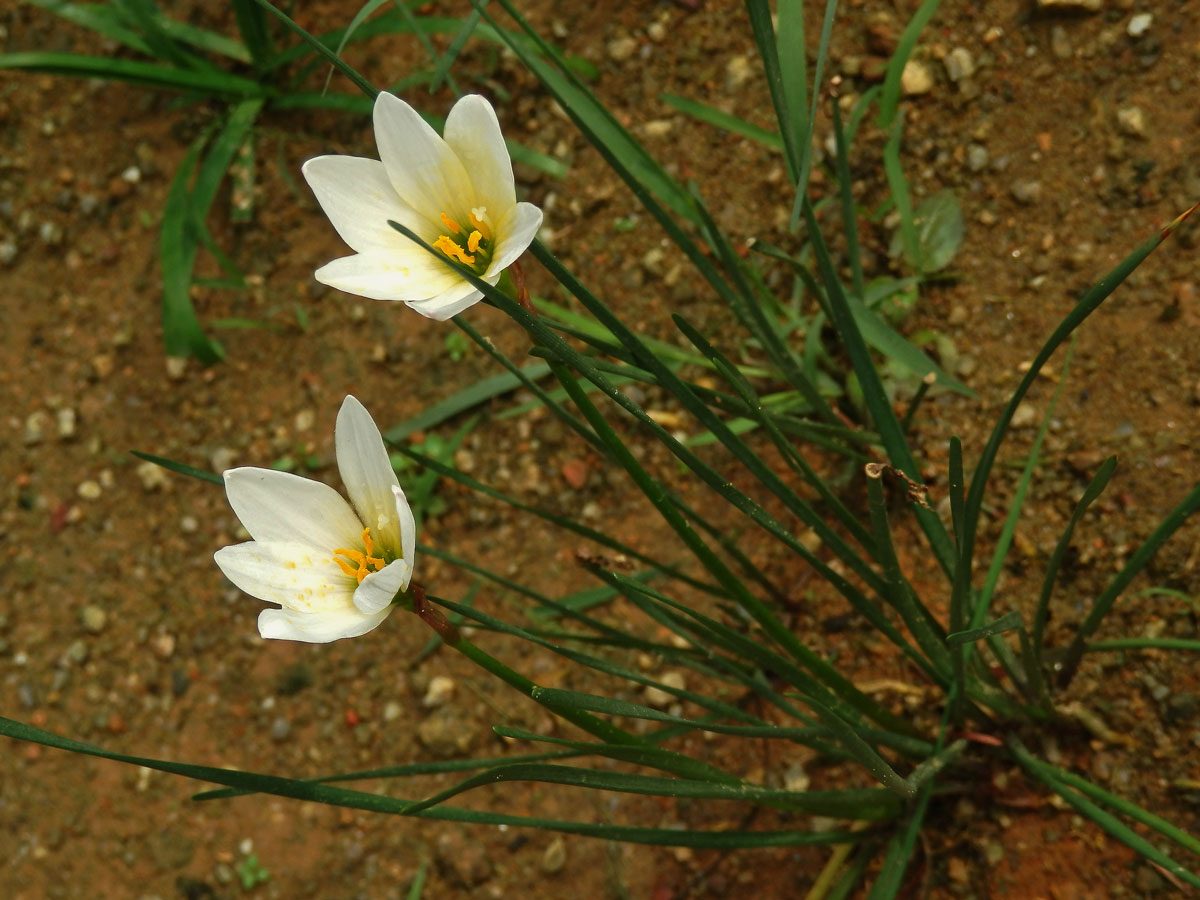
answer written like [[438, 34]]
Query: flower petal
[[379, 588], [514, 235], [451, 301], [280, 506], [408, 526], [291, 574], [317, 628], [367, 473], [473, 133], [397, 275], [423, 169], [358, 198]]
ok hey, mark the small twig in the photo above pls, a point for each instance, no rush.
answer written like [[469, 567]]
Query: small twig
[[913, 490]]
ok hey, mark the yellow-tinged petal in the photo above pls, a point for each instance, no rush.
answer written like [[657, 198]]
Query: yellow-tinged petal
[[367, 474]]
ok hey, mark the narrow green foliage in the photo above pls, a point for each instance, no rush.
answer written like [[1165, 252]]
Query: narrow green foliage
[[1005, 623], [256, 35], [983, 602], [889, 98], [723, 120], [1104, 603], [1082, 795], [180, 468]]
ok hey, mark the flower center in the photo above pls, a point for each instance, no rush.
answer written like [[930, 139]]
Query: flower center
[[472, 247], [358, 563]]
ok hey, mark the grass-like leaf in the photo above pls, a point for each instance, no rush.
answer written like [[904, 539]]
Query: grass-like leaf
[[334, 796], [848, 804], [208, 81], [180, 468], [889, 98], [182, 332], [1104, 603], [723, 120]]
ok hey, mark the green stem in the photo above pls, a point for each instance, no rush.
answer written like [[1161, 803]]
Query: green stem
[[676, 764]]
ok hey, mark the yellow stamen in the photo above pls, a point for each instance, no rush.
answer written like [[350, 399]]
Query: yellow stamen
[[450, 223], [477, 221], [473, 241], [452, 250], [357, 563]]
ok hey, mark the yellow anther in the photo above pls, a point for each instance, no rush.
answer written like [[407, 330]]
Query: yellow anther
[[357, 563], [477, 221], [450, 223], [452, 250], [473, 241]]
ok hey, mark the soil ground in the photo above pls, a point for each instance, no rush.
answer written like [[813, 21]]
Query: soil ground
[[118, 630]]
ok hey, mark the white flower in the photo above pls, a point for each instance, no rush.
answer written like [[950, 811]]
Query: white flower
[[456, 193], [332, 568]]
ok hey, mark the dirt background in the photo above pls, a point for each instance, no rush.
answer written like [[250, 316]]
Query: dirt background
[[117, 628]]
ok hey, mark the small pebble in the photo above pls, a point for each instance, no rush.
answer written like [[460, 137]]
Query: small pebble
[[76, 654], [132, 175], [959, 63], [50, 233], [622, 48], [1024, 415], [658, 128], [222, 458], [103, 365], [796, 778], [1132, 121], [917, 78], [152, 476], [35, 427], [66, 423], [8, 252], [281, 729], [176, 367], [440, 690], [89, 490], [1139, 25], [738, 71], [93, 618], [163, 645], [1027, 192], [1060, 43], [659, 698], [555, 856], [977, 157]]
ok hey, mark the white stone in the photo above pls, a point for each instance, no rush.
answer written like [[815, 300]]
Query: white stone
[[1139, 25], [440, 690], [916, 78], [959, 63]]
